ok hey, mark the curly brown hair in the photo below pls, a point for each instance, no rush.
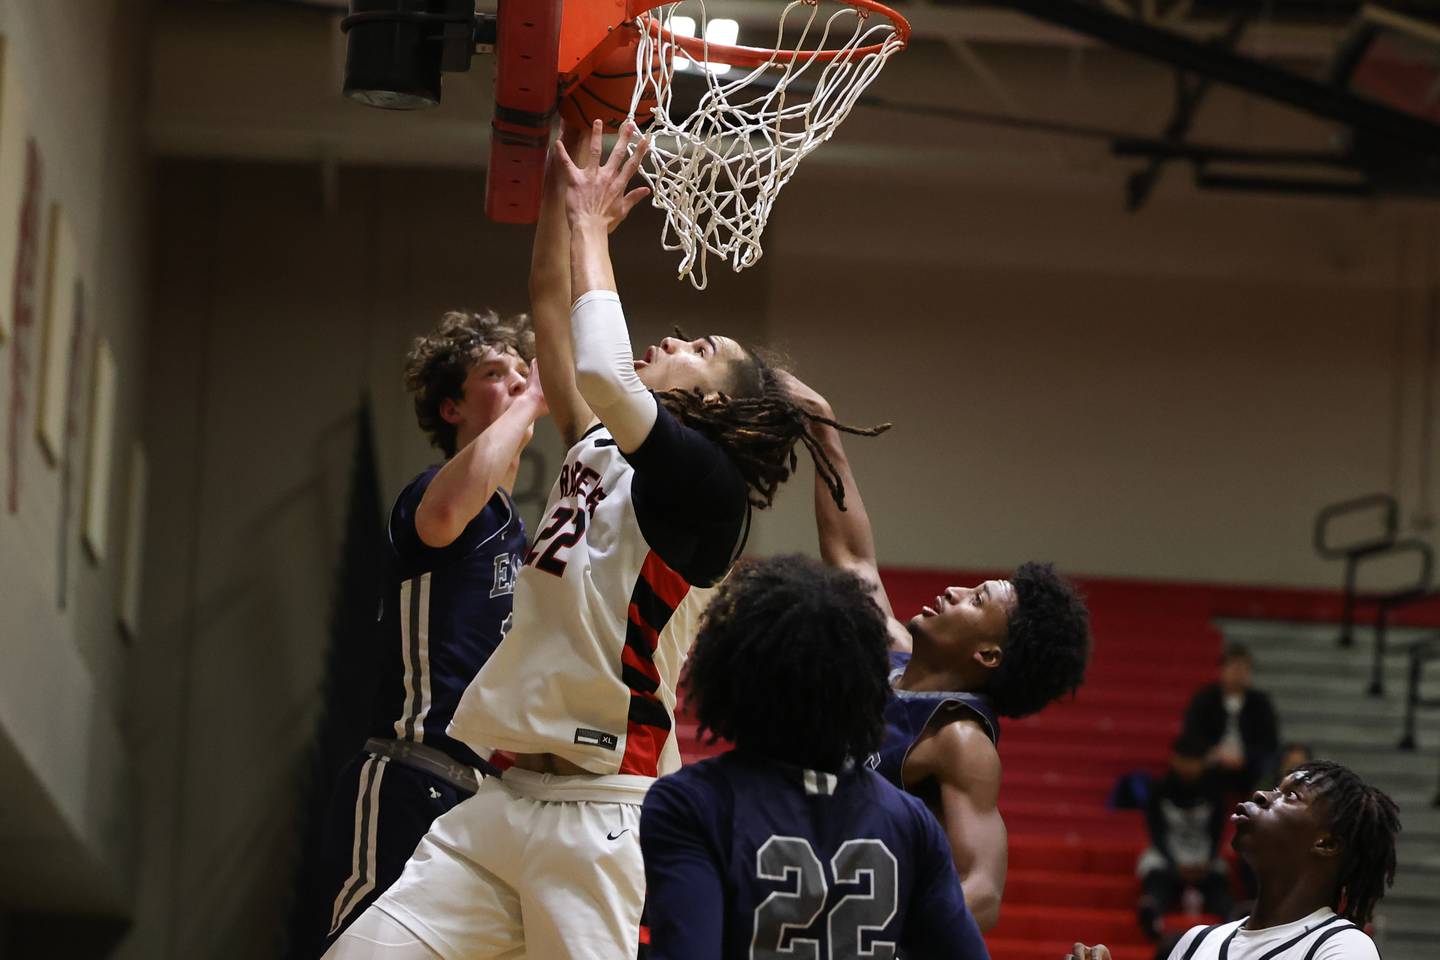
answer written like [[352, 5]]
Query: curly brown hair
[[439, 362]]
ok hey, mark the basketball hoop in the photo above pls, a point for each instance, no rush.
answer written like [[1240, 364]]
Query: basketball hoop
[[716, 171]]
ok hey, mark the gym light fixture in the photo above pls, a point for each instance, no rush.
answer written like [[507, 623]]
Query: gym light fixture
[[396, 50]]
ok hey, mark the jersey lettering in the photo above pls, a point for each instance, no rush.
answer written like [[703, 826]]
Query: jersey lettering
[[546, 553], [505, 571], [856, 913], [792, 860], [576, 479], [593, 498]]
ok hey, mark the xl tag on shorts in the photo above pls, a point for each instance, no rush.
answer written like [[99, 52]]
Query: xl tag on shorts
[[596, 738]]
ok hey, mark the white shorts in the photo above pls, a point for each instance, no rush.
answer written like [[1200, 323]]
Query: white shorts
[[533, 864]]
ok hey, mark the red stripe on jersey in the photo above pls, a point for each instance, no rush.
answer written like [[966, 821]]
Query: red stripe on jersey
[[643, 744], [668, 585], [645, 740], [651, 635], [645, 665]]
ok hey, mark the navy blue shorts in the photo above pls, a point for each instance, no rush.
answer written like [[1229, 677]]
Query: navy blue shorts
[[377, 814]]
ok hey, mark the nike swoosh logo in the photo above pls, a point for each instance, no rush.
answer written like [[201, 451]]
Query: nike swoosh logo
[[617, 836]]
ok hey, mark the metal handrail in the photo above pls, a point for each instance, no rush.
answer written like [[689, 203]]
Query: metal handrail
[[1353, 553], [1356, 505], [1386, 603], [1421, 653]]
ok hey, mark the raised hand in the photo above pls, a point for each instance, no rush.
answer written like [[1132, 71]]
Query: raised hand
[[534, 391], [596, 191]]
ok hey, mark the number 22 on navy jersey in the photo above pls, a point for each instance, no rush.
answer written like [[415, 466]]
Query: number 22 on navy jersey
[[863, 865]]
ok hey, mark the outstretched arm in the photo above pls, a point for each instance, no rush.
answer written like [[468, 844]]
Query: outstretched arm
[[550, 300], [846, 539], [596, 201], [466, 483]]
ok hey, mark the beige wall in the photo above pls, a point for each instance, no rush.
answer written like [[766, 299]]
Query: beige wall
[[66, 755], [1171, 394]]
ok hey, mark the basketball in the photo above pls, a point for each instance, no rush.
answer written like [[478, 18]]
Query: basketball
[[606, 93]]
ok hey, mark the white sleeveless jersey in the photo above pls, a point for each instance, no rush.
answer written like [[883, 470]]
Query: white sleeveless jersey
[[600, 630]]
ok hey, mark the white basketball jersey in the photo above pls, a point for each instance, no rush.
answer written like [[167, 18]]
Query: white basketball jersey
[[601, 629]]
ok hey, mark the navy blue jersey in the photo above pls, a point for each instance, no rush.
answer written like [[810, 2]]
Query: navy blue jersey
[[443, 612], [908, 715], [747, 857]]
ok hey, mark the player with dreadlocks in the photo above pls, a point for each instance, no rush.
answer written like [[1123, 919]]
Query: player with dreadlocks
[[667, 455], [742, 849], [1322, 845], [1006, 647]]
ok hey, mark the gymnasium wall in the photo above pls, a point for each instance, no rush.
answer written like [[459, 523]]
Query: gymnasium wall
[[72, 81], [1168, 394]]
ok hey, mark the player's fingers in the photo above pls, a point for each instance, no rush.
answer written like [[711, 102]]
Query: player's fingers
[[597, 142], [1099, 952], [627, 202], [1079, 951], [632, 165], [622, 146], [562, 157]]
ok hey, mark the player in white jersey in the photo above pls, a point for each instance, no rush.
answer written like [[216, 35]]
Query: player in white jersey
[[651, 508], [1322, 845]]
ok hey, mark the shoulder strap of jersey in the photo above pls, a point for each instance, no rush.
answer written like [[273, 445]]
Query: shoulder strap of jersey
[[1314, 947], [1195, 944], [1272, 954], [977, 706]]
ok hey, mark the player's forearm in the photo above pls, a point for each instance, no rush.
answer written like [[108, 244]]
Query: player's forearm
[[982, 897], [550, 255], [605, 369], [466, 483], [969, 791], [846, 538], [550, 309], [590, 267]]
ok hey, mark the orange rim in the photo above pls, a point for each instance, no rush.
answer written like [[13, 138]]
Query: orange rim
[[759, 56]]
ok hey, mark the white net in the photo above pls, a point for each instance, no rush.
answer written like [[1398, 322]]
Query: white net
[[716, 168]]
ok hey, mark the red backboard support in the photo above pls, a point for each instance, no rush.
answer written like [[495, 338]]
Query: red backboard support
[[540, 46], [527, 45]]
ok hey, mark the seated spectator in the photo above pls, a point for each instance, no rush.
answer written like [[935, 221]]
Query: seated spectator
[[1185, 816], [785, 846], [1323, 845], [1236, 723]]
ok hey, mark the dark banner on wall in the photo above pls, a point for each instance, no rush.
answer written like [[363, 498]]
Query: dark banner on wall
[[352, 673]]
